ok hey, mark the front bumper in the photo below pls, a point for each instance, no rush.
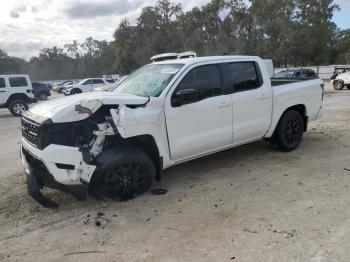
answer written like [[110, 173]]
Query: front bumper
[[70, 175]]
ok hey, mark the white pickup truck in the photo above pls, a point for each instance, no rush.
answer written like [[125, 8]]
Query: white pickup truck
[[163, 114]]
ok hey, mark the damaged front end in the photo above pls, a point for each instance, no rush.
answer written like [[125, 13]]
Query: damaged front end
[[61, 155]]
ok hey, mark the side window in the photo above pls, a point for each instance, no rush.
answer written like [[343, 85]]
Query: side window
[[297, 74], [205, 79], [98, 81], [244, 76], [88, 82], [18, 81], [2, 83]]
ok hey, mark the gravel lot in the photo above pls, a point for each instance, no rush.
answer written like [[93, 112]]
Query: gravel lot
[[251, 203]]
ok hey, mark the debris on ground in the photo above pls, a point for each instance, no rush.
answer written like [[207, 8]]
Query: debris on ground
[[99, 220], [159, 191], [249, 230], [346, 169], [84, 252]]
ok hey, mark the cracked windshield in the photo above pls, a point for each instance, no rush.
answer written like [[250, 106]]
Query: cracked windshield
[[150, 80]]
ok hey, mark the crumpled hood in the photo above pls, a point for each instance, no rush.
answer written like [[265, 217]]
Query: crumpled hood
[[78, 107]]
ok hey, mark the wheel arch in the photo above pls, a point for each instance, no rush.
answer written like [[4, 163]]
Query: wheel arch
[[14, 97], [145, 143], [300, 108], [76, 88]]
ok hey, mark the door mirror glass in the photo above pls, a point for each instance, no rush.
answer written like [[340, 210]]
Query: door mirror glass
[[186, 96]]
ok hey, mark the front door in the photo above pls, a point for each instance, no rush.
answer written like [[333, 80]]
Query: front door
[[204, 124]]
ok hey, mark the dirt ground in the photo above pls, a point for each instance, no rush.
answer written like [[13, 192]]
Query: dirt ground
[[251, 203]]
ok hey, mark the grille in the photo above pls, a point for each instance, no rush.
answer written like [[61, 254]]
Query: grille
[[30, 132]]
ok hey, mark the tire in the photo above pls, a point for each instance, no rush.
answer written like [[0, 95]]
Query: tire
[[42, 96], [75, 91], [289, 131], [338, 85], [123, 173], [17, 107]]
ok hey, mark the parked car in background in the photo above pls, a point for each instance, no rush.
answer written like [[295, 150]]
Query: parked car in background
[[86, 85], [111, 78], [341, 81], [59, 87], [339, 70], [108, 88], [296, 73], [41, 91], [16, 93], [163, 114]]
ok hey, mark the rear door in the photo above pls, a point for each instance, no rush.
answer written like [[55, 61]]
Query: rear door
[[252, 101], [204, 124], [3, 90], [20, 84]]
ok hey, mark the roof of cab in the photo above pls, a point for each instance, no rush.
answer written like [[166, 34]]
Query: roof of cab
[[194, 60], [18, 75]]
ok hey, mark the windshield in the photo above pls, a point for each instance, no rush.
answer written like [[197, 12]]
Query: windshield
[[284, 74], [149, 80]]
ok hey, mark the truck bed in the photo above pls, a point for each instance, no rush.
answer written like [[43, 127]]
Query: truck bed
[[285, 81]]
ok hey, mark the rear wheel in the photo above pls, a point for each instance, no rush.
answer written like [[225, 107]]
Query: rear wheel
[[17, 107], [289, 132], [124, 173], [338, 85], [42, 96]]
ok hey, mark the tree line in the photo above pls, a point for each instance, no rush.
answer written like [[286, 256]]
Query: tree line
[[291, 32]]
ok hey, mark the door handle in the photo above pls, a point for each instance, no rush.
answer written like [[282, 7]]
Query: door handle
[[224, 104], [263, 97]]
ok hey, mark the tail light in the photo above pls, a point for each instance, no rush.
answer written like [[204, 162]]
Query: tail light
[[323, 90]]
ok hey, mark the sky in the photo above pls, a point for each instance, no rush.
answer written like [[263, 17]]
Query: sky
[[27, 26]]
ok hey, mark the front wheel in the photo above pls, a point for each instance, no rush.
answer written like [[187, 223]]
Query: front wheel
[[338, 85], [124, 173], [17, 107], [290, 131], [75, 91]]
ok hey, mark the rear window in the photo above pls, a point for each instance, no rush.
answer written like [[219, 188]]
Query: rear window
[[2, 83], [18, 81], [244, 76]]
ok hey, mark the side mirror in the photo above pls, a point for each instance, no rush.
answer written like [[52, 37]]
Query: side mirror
[[185, 96]]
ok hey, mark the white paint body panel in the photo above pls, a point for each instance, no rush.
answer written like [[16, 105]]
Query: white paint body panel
[[190, 131], [7, 91], [344, 77]]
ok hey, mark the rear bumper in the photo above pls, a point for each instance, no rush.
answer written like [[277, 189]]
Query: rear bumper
[[40, 174], [32, 100]]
